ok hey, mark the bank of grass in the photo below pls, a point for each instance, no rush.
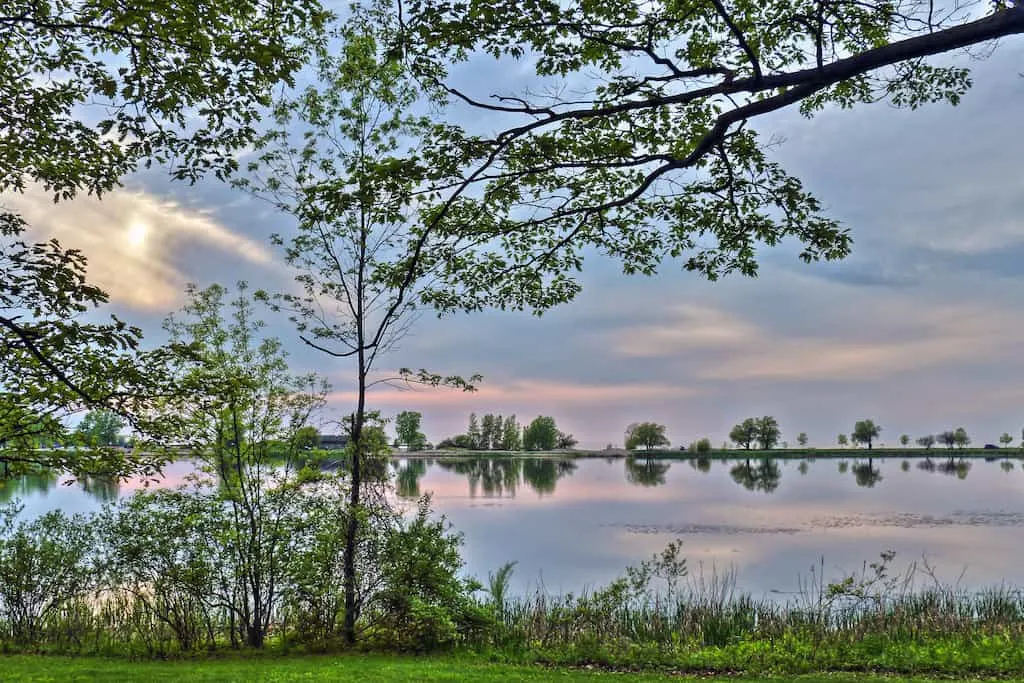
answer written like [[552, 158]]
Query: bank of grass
[[365, 669]]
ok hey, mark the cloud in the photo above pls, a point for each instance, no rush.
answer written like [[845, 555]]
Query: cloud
[[531, 392], [142, 249], [901, 339]]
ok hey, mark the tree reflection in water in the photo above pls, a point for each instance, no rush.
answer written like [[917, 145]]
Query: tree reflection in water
[[500, 477], [866, 474], [26, 485], [701, 463], [646, 472], [764, 476], [103, 489], [407, 478]]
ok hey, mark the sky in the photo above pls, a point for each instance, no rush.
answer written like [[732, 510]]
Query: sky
[[920, 329]]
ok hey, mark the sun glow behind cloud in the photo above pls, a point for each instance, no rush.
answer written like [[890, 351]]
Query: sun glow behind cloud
[[140, 247]]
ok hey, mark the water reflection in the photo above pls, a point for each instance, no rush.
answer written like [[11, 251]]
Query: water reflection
[[953, 466], [491, 477], [40, 484], [646, 471], [866, 473], [764, 476], [25, 486], [701, 463]]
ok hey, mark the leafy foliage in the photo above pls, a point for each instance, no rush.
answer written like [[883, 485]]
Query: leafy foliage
[[101, 427], [54, 362], [541, 434], [407, 425], [654, 155], [865, 432], [90, 90], [647, 434]]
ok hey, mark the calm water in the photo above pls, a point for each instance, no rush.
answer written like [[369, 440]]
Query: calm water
[[574, 524]]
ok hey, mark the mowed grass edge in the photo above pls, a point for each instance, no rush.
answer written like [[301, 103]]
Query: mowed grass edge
[[361, 668]]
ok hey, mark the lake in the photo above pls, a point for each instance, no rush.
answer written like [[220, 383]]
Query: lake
[[572, 524]]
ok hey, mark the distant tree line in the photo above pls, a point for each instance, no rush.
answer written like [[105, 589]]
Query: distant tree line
[[497, 432]]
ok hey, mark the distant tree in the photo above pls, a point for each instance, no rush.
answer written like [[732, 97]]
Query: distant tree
[[510, 434], [650, 435], [745, 434], [460, 441], [474, 433], [960, 438], [1005, 439], [865, 432], [926, 441], [565, 441], [703, 446], [101, 427], [768, 433], [306, 438], [541, 434], [842, 440], [904, 440], [801, 439], [947, 438], [407, 424], [488, 432]]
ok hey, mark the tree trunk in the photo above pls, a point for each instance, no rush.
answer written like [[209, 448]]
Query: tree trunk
[[348, 628]]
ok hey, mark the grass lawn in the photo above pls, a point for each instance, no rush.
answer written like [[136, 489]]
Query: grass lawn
[[364, 669]]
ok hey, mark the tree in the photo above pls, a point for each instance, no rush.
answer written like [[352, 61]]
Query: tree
[[865, 432], [1005, 439], [306, 438], [926, 441], [565, 441], [768, 433], [842, 440], [651, 151], [407, 425], [359, 172], [238, 407], [101, 427], [650, 435], [473, 432], [904, 440], [491, 427], [745, 433], [541, 434], [960, 437], [801, 439], [510, 434], [947, 438]]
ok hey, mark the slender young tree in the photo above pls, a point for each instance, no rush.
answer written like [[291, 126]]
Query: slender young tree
[[361, 173]]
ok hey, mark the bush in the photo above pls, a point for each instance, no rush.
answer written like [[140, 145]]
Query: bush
[[423, 605], [46, 565]]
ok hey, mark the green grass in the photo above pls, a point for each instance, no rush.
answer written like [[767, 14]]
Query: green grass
[[364, 669]]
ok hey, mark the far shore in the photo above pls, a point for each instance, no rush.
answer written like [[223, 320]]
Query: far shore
[[730, 454]]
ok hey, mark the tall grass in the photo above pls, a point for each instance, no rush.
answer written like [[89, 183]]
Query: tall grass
[[707, 610]]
